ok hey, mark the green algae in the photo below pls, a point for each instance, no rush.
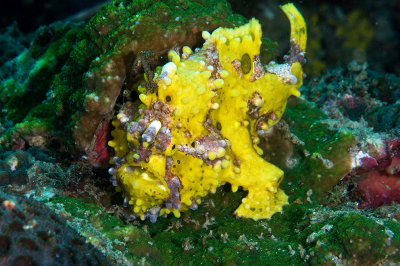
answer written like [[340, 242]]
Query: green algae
[[211, 235], [352, 238], [119, 242], [35, 70], [26, 92], [324, 156]]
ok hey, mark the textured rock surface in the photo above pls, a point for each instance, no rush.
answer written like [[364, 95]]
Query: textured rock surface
[[32, 234]]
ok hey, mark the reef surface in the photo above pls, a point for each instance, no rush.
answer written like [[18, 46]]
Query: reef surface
[[109, 122]]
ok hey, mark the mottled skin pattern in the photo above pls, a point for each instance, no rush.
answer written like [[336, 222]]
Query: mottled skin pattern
[[213, 103]]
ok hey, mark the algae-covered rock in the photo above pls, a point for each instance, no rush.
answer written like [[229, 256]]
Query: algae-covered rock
[[352, 238], [32, 234], [212, 234], [122, 244], [300, 235], [313, 154], [25, 86]]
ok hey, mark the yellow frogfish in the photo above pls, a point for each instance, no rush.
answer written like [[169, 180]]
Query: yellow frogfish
[[199, 127]]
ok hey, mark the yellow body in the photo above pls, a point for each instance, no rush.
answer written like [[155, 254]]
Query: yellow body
[[198, 92]]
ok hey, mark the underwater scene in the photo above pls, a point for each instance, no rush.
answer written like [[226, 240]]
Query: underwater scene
[[200, 132]]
